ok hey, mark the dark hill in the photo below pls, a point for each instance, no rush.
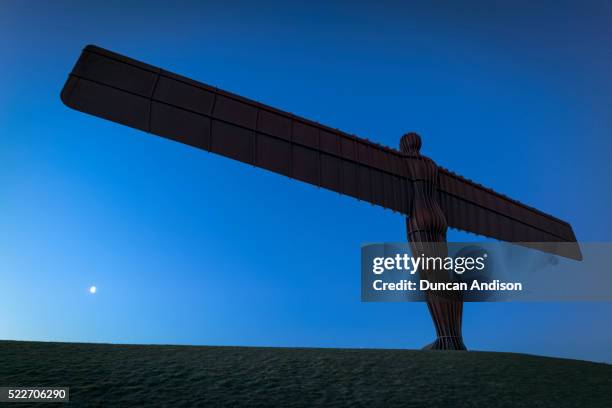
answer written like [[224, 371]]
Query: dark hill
[[141, 375]]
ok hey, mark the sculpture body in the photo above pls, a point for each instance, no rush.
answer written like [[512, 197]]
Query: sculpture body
[[426, 227]]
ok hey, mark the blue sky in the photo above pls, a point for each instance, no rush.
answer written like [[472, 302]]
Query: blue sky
[[188, 247]]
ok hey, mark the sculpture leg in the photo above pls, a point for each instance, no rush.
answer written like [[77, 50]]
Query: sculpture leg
[[446, 309], [446, 316]]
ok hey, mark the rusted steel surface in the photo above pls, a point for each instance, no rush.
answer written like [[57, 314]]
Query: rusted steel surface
[[426, 229], [126, 91]]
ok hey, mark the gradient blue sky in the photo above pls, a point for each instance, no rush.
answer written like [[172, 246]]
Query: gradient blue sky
[[188, 247]]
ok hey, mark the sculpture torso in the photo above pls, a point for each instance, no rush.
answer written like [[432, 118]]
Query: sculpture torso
[[426, 222]]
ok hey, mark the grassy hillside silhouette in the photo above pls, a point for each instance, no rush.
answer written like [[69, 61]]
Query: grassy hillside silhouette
[[144, 375]]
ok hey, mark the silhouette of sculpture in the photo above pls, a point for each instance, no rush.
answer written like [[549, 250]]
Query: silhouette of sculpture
[[426, 228], [130, 92]]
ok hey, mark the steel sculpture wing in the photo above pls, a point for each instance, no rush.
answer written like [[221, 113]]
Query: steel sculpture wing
[[129, 92]]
